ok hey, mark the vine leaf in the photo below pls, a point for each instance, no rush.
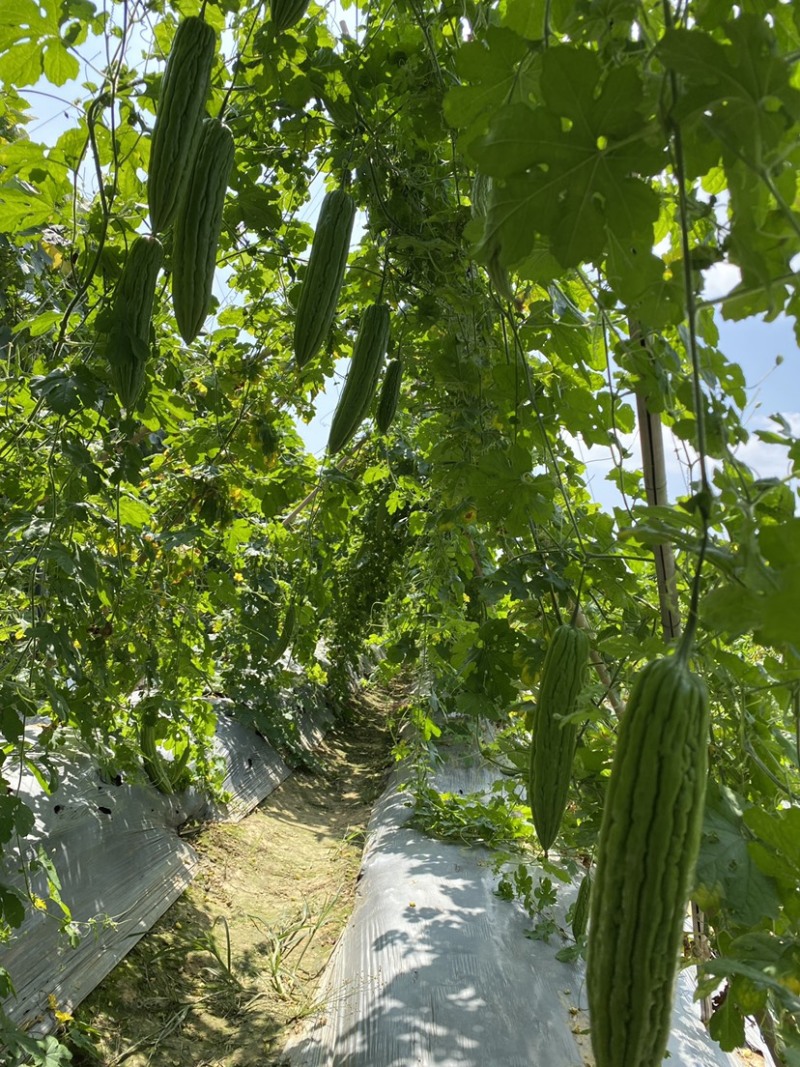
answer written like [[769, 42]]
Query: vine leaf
[[16, 818], [571, 168], [24, 27], [490, 67], [777, 852], [745, 86], [726, 1026], [499, 482], [762, 596], [726, 874], [525, 17], [12, 908], [737, 102], [66, 390], [23, 208], [638, 278], [764, 959]]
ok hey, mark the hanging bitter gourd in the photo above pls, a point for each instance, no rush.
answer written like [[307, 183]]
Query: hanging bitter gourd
[[284, 638], [154, 764], [362, 377], [580, 913], [164, 774], [553, 742], [479, 195], [128, 344], [197, 228], [648, 844], [180, 110], [389, 395], [327, 260], [287, 13]]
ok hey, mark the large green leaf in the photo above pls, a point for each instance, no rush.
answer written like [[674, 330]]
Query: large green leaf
[[726, 877], [572, 166]]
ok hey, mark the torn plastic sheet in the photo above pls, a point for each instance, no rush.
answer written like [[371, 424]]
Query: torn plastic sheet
[[121, 863], [434, 969]]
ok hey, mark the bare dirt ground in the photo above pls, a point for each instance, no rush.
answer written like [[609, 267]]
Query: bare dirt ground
[[234, 963]]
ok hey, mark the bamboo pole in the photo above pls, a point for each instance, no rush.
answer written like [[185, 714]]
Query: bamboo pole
[[655, 484]]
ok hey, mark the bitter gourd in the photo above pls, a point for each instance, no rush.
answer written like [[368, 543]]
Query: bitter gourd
[[284, 638], [287, 13], [553, 742], [324, 274], [389, 395], [580, 913], [197, 228], [128, 344], [154, 764], [362, 377], [180, 110], [648, 844]]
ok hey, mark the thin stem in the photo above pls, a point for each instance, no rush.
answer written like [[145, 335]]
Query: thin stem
[[691, 314], [689, 297], [255, 21], [690, 630]]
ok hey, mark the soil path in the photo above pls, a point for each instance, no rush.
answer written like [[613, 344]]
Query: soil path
[[233, 964]]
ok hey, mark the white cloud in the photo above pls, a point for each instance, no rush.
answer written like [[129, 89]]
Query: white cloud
[[765, 459], [719, 280]]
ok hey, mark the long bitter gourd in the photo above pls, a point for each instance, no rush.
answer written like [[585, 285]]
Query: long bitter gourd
[[128, 344], [554, 739], [648, 844], [287, 13], [324, 274], [178, 117], [197, 228], [389, 395], [362, 377]]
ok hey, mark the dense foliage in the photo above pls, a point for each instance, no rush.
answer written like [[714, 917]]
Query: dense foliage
[[542, 187]]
